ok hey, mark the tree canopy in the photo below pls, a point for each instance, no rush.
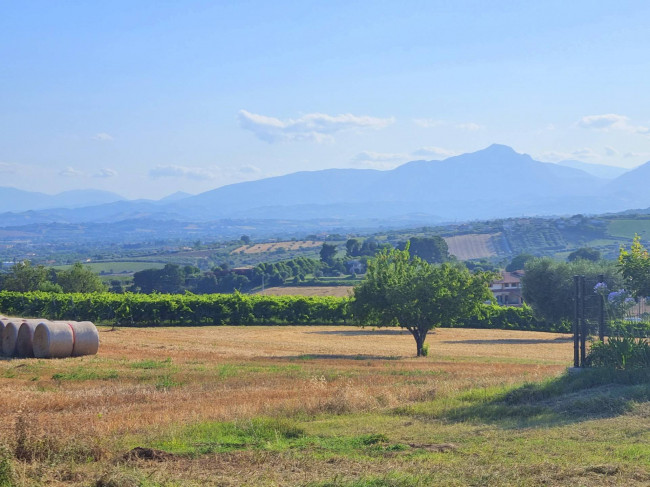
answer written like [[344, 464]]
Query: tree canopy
[[585, 253], [635, 267], [413, 294], [519, 262], [24, 277], [548, 285], [79, 279], [328, 253], [431, 249]]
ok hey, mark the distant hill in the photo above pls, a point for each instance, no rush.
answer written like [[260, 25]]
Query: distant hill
[[599, 170], [495, 182], [631, 188], [17, 200], [177, 196]]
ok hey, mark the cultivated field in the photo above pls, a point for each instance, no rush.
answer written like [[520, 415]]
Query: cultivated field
[[472, 246], [117, 267], [271, 247], [318, 406], [628, 228], [338, 291]]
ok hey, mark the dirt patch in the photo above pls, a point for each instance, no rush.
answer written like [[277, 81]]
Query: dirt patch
[[437, 448], [140, 453], [338, 291]]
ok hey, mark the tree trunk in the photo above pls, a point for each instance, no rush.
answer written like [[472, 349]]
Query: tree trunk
[[420, 335]]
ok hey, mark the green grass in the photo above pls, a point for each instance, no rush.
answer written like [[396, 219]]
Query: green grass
[[577, 429], [152, 364], [83, 375], [389, 480], [627, 228]]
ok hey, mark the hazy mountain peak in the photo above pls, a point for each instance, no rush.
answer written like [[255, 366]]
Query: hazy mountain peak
[[499, 149], [177, 196]]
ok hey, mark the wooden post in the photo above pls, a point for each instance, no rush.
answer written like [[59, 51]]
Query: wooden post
[[576, 322], [601, 312], [583, 328]]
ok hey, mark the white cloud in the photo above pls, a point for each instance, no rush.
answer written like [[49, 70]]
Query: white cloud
[[428, 123], [629, 155], [434, 152], [106, 173], [379, 160], [431, 123], [379, 156], [249, 169], [611, 121], [8, 168], [70, 172], [173, 171], [471, 126], [585, 153], [610, 151], [317, 127], [103, 137]]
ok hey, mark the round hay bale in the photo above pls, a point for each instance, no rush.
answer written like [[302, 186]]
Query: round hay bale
[[24, 340], [9, 336], [53, 340], [2, 329], [86, 338]]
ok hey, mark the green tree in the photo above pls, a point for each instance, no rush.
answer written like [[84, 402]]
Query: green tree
[[548, 286], [418, 296], [24, 277], [353, 247], [328, 253], [79, 279], [585, 253], [635, 267], [432, 249], [519, 262]]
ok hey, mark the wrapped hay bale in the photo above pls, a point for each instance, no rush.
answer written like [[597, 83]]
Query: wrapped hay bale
[[9, 336], [25, 337], [86, 338], [53, 340]]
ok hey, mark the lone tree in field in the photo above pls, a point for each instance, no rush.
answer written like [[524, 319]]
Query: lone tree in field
[[416, 295]]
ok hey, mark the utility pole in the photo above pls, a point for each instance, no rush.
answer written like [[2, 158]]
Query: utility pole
[[601, 313], [583, 328], [576, 322]]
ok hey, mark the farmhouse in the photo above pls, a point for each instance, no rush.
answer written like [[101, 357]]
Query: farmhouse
[[507, 290]]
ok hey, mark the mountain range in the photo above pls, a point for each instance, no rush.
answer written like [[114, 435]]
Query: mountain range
[[490, 183]]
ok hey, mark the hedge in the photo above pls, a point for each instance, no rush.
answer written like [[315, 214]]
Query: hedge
[[228, 309]]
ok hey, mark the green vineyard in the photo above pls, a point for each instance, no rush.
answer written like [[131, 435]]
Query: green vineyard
[[227, 309]]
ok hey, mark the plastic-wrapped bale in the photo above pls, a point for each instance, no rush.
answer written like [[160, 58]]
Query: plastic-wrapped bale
[[86, 338], [53, 340], [25, 338], [9, 336]]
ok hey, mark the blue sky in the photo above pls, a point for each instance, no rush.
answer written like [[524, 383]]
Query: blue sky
[[149, 97]]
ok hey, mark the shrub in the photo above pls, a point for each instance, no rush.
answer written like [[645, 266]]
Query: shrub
[[624, 352]]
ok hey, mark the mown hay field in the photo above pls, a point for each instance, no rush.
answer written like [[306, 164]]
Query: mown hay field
[[472, 246], [273, 246], [313, 406], [336, 291]]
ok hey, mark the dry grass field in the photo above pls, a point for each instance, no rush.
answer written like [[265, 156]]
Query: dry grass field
[[338, 291], [313, 406], [472, 246], [271, 247]]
